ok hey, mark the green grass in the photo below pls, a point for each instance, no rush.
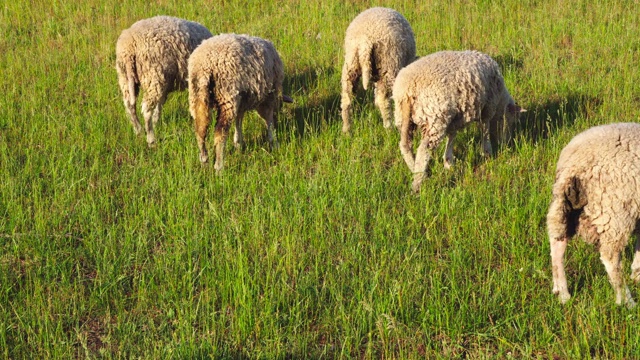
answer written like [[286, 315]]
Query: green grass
[[109, 249]]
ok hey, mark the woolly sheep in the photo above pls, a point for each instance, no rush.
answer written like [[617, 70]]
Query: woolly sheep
[[152, 55], [443, 92], [378, 43], [596, 195], [233, 74]]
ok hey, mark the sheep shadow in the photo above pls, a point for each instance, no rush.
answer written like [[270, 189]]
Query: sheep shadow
[[175, 109], [313, 109], [541, 121], [508, 62], [236, 355]]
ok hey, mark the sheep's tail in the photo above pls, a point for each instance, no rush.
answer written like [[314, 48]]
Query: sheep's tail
[[366, 59], [406, 127], [129, 82], [569, 199], [201, 86], [200, 93]]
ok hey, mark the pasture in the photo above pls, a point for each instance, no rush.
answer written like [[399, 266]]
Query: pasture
[[318, 249]]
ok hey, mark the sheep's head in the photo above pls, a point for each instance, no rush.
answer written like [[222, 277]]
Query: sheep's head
[[512, 113], [502, 130]]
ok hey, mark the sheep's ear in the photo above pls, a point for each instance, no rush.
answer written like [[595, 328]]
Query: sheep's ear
[[515, 109]]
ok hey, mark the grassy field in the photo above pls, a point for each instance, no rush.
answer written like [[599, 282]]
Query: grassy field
[[109, 249]]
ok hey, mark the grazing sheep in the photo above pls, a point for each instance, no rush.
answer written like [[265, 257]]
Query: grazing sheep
[[152, 55], [378, 43], [596, 195], [233, 74], [443, 92]]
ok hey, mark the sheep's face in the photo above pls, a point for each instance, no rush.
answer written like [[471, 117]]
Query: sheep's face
[[512, 113], [502, 130]]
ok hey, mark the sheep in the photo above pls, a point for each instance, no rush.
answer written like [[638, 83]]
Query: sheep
[[443, 92], [152, 55], [596, 195], [378, 43], [234, 74]]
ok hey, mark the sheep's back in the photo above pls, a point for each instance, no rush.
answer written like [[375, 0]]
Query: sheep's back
[[615, 147], [605, 162], [239, 65], [161, 47], [386, 29], [454, 82]]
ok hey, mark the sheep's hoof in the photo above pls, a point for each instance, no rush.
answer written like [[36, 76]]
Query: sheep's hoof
[[151, 141], [448, 164], [239, 146], [563, 296], [415, 187], [417, 182], [204, 158], [630, 304]]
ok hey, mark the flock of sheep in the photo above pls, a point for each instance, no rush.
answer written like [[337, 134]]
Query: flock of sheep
[[596, 193]]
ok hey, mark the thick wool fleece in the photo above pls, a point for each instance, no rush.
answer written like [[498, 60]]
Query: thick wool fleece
[[596, 195], [443, 92], [378, 43], [233, 74], [152, 55]]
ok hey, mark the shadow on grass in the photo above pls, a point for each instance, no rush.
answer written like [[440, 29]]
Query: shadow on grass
[[238, 355], [542, 120], [312, 108], [509, 62]]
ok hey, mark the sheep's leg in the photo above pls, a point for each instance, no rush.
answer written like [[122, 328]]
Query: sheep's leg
[[613, 264], [349, 79], [202, 121], [238, 139], [448, 152], [383, 102], [127, 83], [148, 110], [558, 248], [155, 116], [486, 141], [406, 143], [423, 155], [130, 106], [635, 266], [151, 109], [220, 137], [267, 112]]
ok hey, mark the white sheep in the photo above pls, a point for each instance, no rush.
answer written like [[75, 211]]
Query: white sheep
[[443, 92], [152, 56], [596, 195], [233, 74], [378, 43]]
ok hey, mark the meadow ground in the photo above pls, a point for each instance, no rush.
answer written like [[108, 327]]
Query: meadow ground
[[109, 249]]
